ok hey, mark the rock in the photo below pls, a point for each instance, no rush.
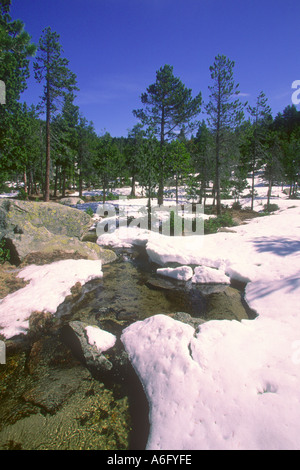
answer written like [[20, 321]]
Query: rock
[[20, 216], [112, 363], [9, 282], [182, 273], [39, 233], [161, 284], [52, 390], [71, 201], [187, 318], [226, 230], [55, 374], [237, 221], [41, 247], [92, 355], [226, 304]]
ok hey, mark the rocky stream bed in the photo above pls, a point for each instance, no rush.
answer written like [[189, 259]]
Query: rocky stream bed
[[54, 395], [57, 392]]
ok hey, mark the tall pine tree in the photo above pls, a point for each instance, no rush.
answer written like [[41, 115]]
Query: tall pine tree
[[15, 51], [259, 113], [52, 70], [225, 112], [168, 106]]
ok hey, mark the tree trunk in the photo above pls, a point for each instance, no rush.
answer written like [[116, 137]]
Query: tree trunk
[[218, 146], [64, 182], [55, 181], [217, 180], [104, 191], [160, 194], [269, 192], [48, 117], [80, 183], [25, 183], [133, 186], [253, 185]]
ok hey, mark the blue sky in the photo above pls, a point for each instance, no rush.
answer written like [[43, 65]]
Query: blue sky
[[115, 48]]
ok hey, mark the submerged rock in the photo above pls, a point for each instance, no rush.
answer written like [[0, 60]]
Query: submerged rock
[[226, 305]]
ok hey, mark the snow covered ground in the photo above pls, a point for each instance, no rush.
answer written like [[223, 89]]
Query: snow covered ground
[[48, 287], [229, 384]]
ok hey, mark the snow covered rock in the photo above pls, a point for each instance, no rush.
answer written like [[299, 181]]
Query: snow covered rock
[[100, 350], [182, 273], [207, 275], [94, 342]]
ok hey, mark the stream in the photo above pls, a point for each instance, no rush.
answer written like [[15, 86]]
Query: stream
[[49, 400]]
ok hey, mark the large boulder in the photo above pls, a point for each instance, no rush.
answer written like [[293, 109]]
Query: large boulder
[[37, 232], [16, 216]]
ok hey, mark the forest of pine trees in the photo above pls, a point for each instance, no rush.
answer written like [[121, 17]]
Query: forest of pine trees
[[50, 148]]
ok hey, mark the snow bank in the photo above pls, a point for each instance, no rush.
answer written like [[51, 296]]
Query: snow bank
[[228, 385], [201, 274], [48, 287], [7, 195]]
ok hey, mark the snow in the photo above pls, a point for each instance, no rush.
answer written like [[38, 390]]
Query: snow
[[48, 287], [6, 195], [103, 340], [228, 385], [182, 273], [206, 275]]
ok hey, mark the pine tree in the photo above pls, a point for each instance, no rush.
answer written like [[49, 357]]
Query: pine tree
[[149, 150], [225, 112], [259, 113], [178, 161], [273, 167], [65, 139], [26, 145], [15, 52], [106, 161], [52, 69], [86, 137], [168, 105], [201, 153]]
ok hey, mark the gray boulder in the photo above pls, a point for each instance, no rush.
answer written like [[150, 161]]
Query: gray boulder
[[16, 216], [71, 201], [46, 232]]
